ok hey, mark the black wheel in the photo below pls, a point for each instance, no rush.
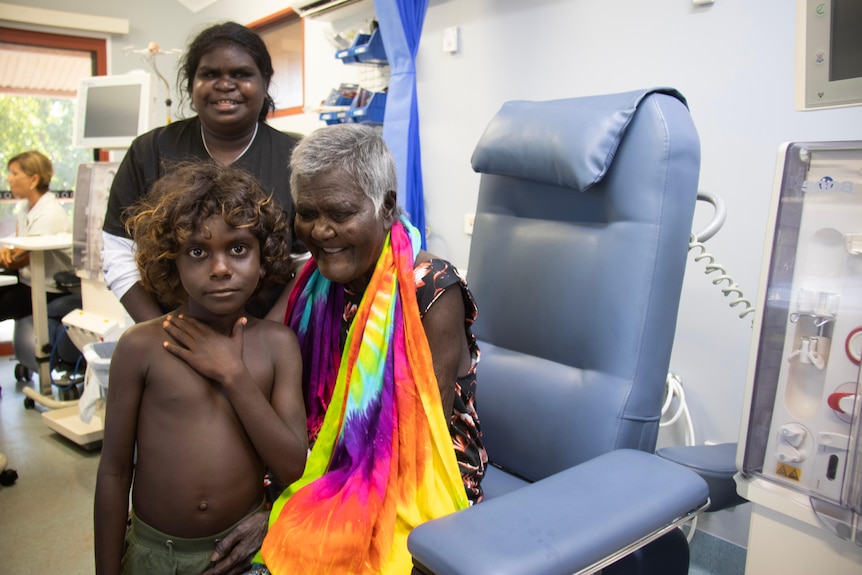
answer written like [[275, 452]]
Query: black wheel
[[29, 403], [22, 373], [8, 477]]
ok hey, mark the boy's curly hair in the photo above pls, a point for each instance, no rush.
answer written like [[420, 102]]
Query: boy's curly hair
[[178, 204]]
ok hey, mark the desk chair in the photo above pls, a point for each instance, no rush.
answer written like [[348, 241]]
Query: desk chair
[[63, 353], [577, 261]]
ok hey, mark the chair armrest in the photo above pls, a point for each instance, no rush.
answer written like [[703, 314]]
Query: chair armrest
[[564, 523], [716, 464]]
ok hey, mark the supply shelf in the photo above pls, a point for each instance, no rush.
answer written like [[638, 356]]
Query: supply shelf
[[365, 49], [334, 108], [349, 103], [366, 107]]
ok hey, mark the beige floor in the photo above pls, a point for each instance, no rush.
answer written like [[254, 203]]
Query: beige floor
[[46, 517]]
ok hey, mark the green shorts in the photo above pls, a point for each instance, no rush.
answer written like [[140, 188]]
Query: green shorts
[[150, 551]]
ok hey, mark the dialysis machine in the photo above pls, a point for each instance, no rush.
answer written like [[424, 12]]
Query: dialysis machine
[[800, 458], [102, 317]]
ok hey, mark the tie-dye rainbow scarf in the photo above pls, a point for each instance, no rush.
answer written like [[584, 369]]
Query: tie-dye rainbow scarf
[[383, 460]]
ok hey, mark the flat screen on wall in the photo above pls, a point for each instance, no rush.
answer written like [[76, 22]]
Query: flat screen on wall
[[828, 53], [112, 110]]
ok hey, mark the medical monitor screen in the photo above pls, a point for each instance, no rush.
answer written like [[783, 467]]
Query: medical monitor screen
[[846, 44], [828, 53], [112, 110]]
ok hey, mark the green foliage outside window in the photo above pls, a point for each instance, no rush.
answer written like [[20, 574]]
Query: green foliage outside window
[[44, 124]]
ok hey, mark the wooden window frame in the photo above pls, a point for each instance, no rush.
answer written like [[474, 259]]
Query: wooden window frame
[[275, 20], [97, 47]]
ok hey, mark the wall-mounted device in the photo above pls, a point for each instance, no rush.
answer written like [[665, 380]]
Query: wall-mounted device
[[828, 53], [112, 110], [315, 8]]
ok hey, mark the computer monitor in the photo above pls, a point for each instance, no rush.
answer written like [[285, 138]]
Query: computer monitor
[[828, 53], [112, 110]]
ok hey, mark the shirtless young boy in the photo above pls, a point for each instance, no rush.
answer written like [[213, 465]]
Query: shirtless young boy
[[209, 395]]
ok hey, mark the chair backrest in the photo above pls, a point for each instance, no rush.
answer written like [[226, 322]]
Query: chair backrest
[[577, 261]]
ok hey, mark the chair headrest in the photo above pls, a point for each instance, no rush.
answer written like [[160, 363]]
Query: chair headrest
[[569, 143]]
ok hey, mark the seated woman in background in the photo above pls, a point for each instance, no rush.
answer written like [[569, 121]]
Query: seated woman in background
[[389, 372], [39, 214]]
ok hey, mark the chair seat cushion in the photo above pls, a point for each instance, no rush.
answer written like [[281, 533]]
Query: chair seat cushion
[[563, 523]]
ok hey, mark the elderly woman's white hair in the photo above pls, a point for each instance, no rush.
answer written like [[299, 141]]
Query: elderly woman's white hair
[[357, 149]]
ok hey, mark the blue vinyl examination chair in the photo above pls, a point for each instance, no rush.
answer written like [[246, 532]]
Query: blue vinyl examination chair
[[577, 261]]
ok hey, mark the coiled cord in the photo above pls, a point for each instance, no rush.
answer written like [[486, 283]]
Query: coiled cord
[[730, 289]]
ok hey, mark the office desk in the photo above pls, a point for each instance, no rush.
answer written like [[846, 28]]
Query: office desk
[[37, 246]]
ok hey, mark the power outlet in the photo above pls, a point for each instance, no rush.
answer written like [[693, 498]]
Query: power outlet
[[468, 223]]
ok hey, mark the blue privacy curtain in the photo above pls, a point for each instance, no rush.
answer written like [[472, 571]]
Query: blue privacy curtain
[[401, 27]]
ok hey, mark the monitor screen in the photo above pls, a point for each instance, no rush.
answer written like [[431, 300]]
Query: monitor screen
[[113, 110], [828, 53], [846, 42]]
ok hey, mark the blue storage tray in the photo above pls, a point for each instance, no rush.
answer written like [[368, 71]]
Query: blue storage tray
[[366, 49], [372, 112], [339, 117]]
